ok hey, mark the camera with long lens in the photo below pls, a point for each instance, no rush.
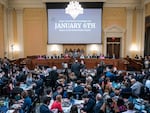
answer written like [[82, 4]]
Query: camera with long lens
[[109, 101]]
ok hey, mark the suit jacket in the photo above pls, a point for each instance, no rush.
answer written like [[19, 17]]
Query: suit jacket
[[75, 67], [39, 87], [27, 103], [44, 109], [100, 70], [78, 89], [88, 107], [53, 75], [98, 106]]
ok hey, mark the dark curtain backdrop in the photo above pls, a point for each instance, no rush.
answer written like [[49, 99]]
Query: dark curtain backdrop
[[147, 37]]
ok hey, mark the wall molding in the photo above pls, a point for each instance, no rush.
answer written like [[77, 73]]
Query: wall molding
[[41, 3], [146, 1], [26, 4], [78, 0], [4, 2], [114, 31]]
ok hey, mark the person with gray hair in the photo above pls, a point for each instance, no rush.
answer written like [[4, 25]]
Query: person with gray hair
[[99, 103], [136, 87]]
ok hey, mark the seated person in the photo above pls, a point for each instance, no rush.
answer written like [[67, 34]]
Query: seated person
[[78, 90], [57, 104], [109, 74], [88, 104], [72, 76], [16, 91], [127, 91], [130, 108], [136, 57], [82, 56], [99, 103], [27, 102], [109, 106], [102, 56], [29, 79], [74, 109], [121, 105], [44, 107], [88, 90], [59, 91]]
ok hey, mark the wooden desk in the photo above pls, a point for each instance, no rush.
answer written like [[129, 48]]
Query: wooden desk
[[90, 63]]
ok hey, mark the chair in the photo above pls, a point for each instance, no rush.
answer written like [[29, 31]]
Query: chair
[[77, 95], [54, 110]]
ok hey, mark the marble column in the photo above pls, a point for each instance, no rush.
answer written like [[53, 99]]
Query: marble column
[[9, 40], [139, 29], [6, 42], [19, 12], [129, 29]]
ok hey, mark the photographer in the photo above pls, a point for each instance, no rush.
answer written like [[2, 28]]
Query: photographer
[[109, 106]]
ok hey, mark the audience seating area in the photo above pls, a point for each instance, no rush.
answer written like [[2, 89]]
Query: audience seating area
[[24, 85]]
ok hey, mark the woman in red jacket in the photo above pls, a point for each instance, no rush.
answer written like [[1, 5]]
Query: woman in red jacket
[[57, 104]]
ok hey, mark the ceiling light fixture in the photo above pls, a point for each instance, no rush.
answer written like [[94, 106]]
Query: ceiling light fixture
[[74, 9]]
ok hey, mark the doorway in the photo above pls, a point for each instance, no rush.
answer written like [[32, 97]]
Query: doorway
[[113, 47]]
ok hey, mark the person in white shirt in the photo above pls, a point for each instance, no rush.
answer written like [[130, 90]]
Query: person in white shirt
[[147, 83], [82, 56]]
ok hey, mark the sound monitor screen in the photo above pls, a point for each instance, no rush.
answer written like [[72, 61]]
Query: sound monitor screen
[[84, 29]]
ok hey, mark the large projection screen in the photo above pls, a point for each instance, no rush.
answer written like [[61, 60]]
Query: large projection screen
[[85, 29]]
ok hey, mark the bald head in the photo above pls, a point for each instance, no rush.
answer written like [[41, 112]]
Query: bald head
[[133, 81], [54, 68], [98, 96]]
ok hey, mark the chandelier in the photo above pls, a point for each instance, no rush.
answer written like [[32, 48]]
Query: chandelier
[[74, 9]]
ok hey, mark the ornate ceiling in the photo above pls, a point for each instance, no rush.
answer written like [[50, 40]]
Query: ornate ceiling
[[41, 3]]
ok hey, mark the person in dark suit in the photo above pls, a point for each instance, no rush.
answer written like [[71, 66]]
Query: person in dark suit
[[27, 100], [53, 76], [99, 70], [75, 67], [16, 91], [78, 90], [39, 86], [59, 91], [44, 107], [99, 103], [88, 104]]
